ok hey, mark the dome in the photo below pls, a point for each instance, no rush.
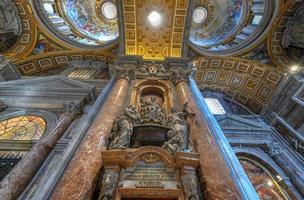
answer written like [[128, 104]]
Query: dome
[[230, 27], [220, 23], [89, 24]]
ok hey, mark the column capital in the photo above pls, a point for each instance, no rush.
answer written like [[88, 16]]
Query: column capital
[[274, 149], [181, 75], [72, 108], [125, 72]]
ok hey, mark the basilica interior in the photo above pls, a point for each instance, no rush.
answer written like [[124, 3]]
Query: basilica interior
[[151, 99]]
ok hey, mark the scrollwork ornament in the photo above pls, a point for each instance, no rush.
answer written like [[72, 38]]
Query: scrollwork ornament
[[72, 108], [181, 74], [274, 149], [126, 72], [153, 69], [3, 106]]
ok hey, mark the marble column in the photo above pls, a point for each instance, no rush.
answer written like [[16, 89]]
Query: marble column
[[14, 183], [83, 171], [278, 157], [217, 178]]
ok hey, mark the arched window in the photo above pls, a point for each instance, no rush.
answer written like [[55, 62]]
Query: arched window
[[219, 104], [263, 180], [27, 127], [215, 106]]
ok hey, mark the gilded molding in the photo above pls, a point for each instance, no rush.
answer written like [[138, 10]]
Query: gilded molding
[[28, 38], [42, 62], [274, 43], [249, 83]]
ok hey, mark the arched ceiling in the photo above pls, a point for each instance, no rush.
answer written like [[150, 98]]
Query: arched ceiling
[[93, 31], [203, 24], [210, 27], [248, 82]]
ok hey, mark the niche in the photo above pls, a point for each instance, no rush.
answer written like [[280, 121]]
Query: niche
[[152, 99]]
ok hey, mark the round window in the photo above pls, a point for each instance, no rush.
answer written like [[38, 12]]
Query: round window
[[199, 15], [109, 10]]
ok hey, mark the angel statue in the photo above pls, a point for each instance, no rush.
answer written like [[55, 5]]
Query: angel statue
[[122, 129]]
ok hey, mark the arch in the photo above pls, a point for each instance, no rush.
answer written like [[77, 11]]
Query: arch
[[249, 83], [48, 118], [225, 101], [258, 158], [262, 157], [159, 87]]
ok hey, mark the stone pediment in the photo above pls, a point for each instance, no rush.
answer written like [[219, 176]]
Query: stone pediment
[[237, 122], [44, 92], [47, 82]]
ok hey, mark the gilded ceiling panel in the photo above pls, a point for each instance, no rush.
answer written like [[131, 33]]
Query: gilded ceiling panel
[[250, 83], [43, 62], [291, 16], [28, 37], [154, 42]]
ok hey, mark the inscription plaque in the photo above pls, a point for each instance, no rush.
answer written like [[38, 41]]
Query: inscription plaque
[[149, 175]]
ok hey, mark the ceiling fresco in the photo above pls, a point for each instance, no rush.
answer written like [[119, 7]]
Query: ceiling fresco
[[223, 18], [87, 18]]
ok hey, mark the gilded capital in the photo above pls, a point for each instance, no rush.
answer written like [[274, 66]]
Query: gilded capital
[[126, 72], [181, 75]]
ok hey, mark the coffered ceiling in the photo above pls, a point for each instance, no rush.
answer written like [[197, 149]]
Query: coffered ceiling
[[154, 42]]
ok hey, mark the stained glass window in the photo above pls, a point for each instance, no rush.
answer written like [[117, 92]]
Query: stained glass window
[[22, 128], [263, 181], [215, 106], [257, 19]]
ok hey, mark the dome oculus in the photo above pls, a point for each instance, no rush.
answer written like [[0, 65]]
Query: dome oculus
[[109, 10], [155, 18], [199, 15]]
